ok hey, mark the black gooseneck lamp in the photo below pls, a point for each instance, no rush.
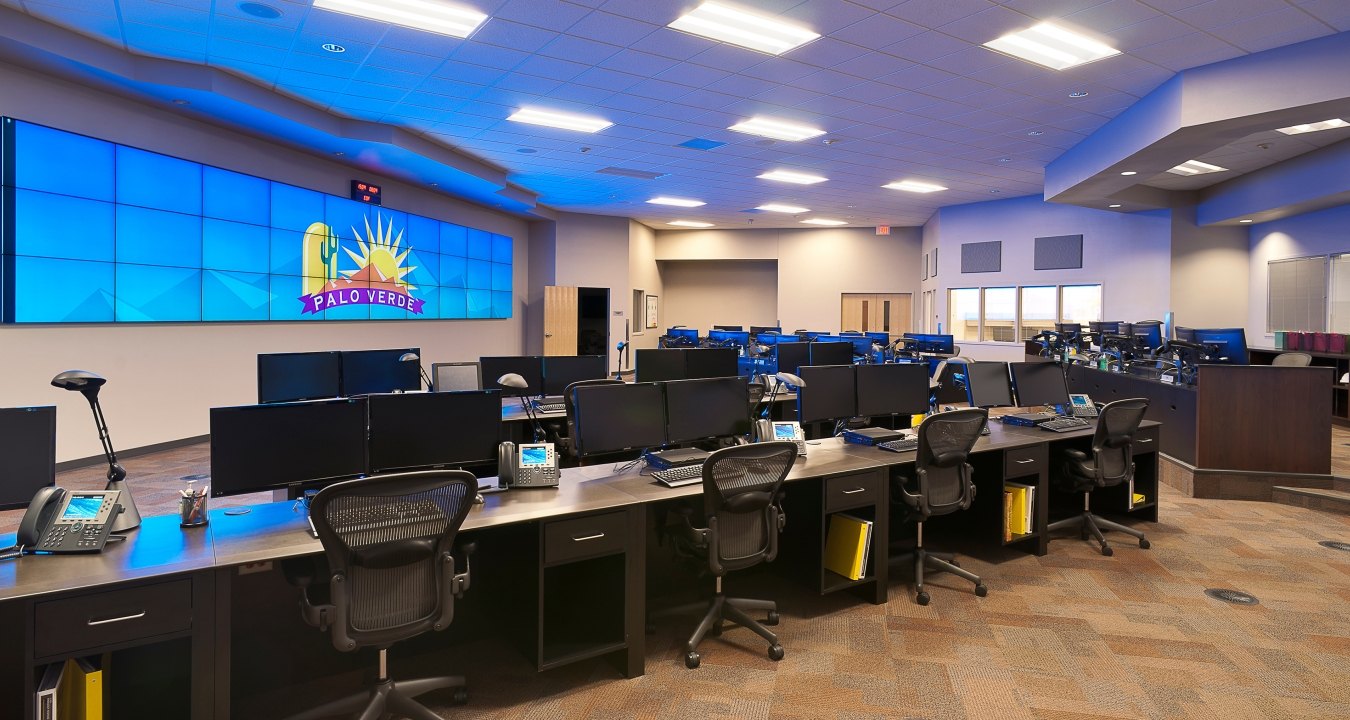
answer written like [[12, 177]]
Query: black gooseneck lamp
[[88, 384], [414, 357], [516, 382]]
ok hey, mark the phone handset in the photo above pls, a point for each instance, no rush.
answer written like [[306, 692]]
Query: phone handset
[[506, 465], [527, 465], [63, 521], [768, 430]]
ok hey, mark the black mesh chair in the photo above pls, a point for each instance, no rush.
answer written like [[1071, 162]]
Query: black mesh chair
[[566, 442], [1111, 463], [388, 541], [943, 485], [740, 491]]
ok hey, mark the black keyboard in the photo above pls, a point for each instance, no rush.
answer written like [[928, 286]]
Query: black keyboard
[[1064, 424], [901, 445], [680, 476], [550, 407]]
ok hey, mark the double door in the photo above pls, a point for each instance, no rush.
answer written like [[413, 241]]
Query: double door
[[876, 312]]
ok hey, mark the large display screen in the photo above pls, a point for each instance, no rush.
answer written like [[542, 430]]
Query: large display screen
[[92, 231]]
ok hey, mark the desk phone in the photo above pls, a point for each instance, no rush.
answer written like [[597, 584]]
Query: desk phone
[[68, 521], [781, 430], [528, 465], [1081, 406]]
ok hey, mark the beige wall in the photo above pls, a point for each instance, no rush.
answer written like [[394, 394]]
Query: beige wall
[[643, 274], [163, 378], [703, 293], [1210, 266]]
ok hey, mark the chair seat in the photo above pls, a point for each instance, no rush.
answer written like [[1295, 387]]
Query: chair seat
[[1080, 475]]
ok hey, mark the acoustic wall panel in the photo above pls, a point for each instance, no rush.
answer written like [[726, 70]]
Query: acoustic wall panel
[[982, 257], [1061, 252]]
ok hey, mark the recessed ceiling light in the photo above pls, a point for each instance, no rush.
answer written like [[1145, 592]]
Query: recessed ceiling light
[[430, 15], [677, 202], [1052, 46], [1195, 167], [824, 221], [689, 224], [181, 101], [775, 207], [777, 129], [1127, 173], [913, 186], [1244, 221], [259, 10], [1314, 127], [333, 48], [1035, 133], [1078, 94], [792, 177], [748, 30], [566, 121], [1114, 205]]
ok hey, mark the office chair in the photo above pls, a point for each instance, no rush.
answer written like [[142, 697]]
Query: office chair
[[1292, 359], [956, 349], [943, 486], [565, 442], [388, 541], [740, 495], [1112, 463]]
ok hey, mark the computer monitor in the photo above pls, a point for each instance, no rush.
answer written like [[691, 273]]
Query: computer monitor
[[1184, 334], [378, 371], [881, 337], [987, 384], [659, 364], [735, 328], [830, 393], [1039, 383], [287, 377], [775, 339], [931, 343], [563, 370], [792, 355], [862, 345], [27, 453], [757, 329], [529, 367], [808, 335], [1110, 327], [892, 389], [710, 363], [455, 376], [706, 408], [690, 334], [613, 418], [831, 353], [270, 447], [434, 430], [1150, 333], [1069, 329], [1232, 343], [730, 337]]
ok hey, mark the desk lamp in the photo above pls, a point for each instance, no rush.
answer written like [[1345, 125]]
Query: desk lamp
[[88, 384], [414, 357], [516, 382], [783, 378], [622, 347]]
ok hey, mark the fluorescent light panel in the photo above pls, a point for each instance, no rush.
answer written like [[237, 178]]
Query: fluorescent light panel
[[1195, 167], [788, 176], [775, 207], [429, 15], [777, 129], [677, 202], [566, 121], [689, 224], [1052, 46], [914, 186], [1314, 127], [748, 30], [824, 221]]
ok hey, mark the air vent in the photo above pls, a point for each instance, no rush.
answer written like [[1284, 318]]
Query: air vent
[[700, 144], [629, 172]]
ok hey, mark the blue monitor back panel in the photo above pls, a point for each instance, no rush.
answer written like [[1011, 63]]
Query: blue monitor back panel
[[96, 232]]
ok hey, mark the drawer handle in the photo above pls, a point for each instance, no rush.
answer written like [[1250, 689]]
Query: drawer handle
[[584, 538], [1144, 440], [106, 621], [1024, 462], [854, 491]]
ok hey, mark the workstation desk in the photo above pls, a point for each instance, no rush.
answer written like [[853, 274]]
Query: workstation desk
[[180, 608]]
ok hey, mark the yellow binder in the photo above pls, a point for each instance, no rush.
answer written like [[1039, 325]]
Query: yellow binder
[[1019, 520], [846, 545], [82, 690]]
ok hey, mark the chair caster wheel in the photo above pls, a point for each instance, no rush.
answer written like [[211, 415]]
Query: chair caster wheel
[[922, 598], [772, 618], [460, 697], [691, 660], [775, 652], [1143, 544], [1107, 551], [981, 590]]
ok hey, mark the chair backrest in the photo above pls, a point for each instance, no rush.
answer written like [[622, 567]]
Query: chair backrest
[[570, 405], [739, 487], [1113, 442], [945, 441], [388, 541], [956, 349], [1292, 359]]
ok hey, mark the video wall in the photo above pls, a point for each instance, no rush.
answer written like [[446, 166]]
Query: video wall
[[94, 232]]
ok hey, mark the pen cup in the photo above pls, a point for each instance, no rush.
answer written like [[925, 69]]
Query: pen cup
[[192, 510]]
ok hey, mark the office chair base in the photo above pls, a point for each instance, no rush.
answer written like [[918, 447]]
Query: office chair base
[[734, 610], [388, 696], [1089, 524], [940, 562]]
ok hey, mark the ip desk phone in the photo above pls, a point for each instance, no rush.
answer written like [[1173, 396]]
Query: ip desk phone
[[527, 465], [68, 521], [1081, 406], [781, 430]]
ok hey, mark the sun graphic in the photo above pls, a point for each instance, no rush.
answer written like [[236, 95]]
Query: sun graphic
[[380, 261]]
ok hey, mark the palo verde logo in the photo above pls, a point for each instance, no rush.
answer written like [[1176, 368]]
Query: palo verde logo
[[379, 278]]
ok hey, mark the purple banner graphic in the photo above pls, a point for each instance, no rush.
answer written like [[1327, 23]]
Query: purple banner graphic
[[360, 296]]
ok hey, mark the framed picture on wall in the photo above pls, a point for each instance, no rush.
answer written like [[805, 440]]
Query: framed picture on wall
[[651, 311]]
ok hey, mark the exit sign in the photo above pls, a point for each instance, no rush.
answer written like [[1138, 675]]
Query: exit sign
[[883, 229], [366, 192]]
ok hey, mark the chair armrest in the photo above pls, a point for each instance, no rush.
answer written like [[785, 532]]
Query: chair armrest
[[1075, 454], [460, 580]]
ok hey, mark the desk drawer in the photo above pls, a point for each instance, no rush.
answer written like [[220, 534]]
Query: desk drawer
[[69, 626], [1024, 461], [848, 491], [1146, 440], [584, 537]]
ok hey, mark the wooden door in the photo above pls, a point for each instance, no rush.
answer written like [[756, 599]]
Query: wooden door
[[560, 320], [876, 312]]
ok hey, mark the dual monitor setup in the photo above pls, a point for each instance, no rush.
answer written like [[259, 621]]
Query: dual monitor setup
[[635, 416], [288, 377], [1021, 384], [840, 392], [543, 375]]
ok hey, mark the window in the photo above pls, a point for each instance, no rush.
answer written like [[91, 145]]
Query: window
[[1080, 304], [1297, 292], [639, 311], [1000, 315], [1040, 307], [963, 313]]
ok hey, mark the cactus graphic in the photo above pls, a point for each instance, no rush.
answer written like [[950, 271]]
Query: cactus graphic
[[319, 257]]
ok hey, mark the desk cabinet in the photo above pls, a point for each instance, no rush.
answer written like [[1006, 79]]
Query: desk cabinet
[[809, 508]]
